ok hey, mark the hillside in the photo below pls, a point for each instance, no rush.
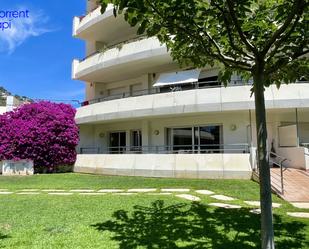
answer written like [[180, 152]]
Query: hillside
[[4, 93]]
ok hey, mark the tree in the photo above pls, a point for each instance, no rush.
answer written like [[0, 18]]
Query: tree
[[266, 41], [44, 132]]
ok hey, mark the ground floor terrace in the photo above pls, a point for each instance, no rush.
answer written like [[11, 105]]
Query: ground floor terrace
[[204, 145]]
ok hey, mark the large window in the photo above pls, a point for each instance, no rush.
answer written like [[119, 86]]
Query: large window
[[117, 142], [199, 139], [136, 140], [182, 138]]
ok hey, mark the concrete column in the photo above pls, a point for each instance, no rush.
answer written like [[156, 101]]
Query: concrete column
[[297, 126], [145, 133]]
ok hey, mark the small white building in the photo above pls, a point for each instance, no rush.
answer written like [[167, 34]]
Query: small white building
[[145, 116], [11, 103]]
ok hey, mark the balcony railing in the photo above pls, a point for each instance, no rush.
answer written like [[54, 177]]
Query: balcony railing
[[175, 88], [305, 145], [170, 149], [118, 45]]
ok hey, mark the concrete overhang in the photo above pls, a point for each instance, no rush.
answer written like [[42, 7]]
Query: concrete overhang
[[193, 101], [132, 60], [102, 27]]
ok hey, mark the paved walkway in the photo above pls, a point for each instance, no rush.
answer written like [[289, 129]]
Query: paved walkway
[[187, 194], [296, 184]]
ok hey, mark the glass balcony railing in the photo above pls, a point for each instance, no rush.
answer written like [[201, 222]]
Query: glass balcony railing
[[172, 88], [166, 89], [118, 45], [170, 149]]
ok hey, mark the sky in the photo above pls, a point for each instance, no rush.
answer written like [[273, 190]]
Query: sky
[[36, 53]]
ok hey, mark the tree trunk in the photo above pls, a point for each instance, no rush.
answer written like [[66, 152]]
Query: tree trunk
[[267, 232]]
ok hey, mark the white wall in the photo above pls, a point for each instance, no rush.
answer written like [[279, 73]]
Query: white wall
[[11, 103], [228, 166], [149, 126], [193, 101], [296, 155], [125, 86], [2, 109], [86, 137]]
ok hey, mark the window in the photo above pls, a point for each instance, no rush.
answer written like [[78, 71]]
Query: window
[[136, 140], [117, 142], [199, 139], [182, 138], [209, 81], [209, 138]]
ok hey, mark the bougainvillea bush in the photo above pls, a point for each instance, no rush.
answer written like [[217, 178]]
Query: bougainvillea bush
[[44, 132]]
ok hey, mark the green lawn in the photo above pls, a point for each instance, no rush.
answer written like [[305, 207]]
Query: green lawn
[[139, 221]]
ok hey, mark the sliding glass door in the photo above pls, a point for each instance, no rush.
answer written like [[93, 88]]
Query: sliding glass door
[[136, 140], [117, 142], [198, 139]]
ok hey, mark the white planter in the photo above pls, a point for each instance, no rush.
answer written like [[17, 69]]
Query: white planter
[[21, 167]]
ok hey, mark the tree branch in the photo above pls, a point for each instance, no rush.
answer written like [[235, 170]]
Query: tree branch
[[296, 9], [282, 61], [278, 43], [249, 46], [228, 61], [229, 33]]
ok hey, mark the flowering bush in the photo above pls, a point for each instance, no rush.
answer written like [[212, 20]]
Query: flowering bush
[[44, 132]]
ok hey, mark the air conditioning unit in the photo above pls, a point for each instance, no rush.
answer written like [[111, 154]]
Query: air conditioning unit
[[20, 167]]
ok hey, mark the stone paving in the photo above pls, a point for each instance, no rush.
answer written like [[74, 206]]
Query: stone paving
[[179, 192], [189, 197], [175, 190], [204, 192], [222, 197], [300, 204], [224, 205], [298, 214], [142, 190], [82, 190], [110, 190], [257, 204]]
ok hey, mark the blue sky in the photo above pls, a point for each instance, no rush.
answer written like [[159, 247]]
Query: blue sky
[[36, 56]]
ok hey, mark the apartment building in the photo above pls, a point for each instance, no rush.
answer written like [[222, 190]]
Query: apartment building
[[10, 103], [143, 115]]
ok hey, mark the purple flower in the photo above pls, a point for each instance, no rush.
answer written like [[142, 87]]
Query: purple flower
[[44, 132]]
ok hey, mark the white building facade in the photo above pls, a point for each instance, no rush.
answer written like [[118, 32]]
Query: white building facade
[[145, 116], [11, 103]]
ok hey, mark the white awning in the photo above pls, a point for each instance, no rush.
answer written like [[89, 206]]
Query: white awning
[[177, 78]]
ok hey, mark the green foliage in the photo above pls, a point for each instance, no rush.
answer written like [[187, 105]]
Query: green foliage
[[244, 36]]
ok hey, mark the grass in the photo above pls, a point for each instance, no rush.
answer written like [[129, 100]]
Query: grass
[[139, 221], [76, 181]]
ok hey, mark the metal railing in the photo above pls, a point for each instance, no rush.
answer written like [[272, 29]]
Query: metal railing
[[169, 149], [278, 162], [305, 145], [115, 45], [175, 88], [172, 88]]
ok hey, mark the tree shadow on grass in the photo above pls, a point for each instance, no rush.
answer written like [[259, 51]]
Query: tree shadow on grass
[[196, 226], [2, 237]]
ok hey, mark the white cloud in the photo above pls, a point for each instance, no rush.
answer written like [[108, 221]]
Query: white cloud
[[22, 29]]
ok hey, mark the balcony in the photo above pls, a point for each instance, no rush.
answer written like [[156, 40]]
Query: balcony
[[167, 149], [123, 61], [200, 100], [102, 27]]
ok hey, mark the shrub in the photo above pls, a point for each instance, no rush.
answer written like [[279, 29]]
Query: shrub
[[44, 132]]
